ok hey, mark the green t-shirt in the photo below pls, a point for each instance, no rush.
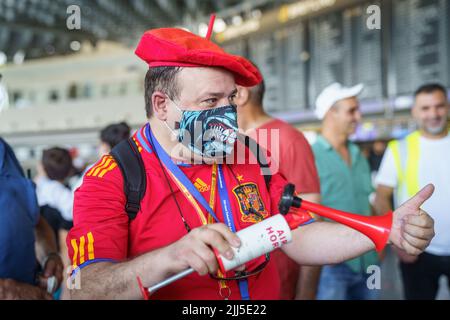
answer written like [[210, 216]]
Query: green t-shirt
[[345, 188]]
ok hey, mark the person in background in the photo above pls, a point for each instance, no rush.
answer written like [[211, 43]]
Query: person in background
[[54, 197], [422, 157], [376, 155], [295, 161], [111, 135], [27, 242], [345, 183], [53, 170], [4, 100]]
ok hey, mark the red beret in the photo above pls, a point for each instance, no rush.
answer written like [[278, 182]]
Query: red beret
[[179, 48]]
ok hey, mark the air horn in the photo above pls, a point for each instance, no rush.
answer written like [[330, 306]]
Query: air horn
[[376, 228]]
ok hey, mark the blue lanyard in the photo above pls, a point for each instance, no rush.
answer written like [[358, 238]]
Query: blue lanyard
[[223, 194], [224, 200], [228, 217], [172, 167]]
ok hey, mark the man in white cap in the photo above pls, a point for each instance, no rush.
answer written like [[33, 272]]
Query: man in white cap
[[345, 184]]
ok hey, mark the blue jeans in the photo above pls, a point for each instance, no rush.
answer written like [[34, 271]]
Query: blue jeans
[[340, 282]]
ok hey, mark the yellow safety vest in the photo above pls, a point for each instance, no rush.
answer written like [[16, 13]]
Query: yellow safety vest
[[406, 157], [408, 169]]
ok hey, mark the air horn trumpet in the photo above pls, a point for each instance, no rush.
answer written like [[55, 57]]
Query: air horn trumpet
[[376, 228]]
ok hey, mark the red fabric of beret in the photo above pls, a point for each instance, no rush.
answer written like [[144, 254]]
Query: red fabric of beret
[[176, 47]]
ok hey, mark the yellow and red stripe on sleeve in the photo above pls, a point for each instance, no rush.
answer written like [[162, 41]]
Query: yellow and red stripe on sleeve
[[83, 249], [103, 166]]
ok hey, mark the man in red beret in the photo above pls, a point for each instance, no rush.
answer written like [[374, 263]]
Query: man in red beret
[[196, 197]]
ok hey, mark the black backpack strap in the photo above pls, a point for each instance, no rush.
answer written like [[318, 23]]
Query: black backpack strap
[[259, 153], [129, 160]]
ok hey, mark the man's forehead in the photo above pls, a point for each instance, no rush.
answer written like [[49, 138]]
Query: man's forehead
[[430, 97], [202, 80], [348, 103], [205, 72]]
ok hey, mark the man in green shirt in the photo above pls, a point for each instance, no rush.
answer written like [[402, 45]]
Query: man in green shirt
[[345, 184]]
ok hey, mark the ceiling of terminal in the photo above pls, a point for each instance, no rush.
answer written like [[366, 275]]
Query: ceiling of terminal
[[39, 28]]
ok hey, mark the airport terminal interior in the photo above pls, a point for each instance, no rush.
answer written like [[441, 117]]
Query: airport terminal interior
[[68, 68]]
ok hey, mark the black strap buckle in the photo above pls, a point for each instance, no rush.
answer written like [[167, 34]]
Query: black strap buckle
[[133, 207]]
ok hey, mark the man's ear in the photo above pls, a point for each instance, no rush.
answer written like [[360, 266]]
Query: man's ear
[[331, 115], [159, 105], [332, 112], [242, 96]]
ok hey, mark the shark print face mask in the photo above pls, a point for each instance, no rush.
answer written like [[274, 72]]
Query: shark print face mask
[[210, 133]]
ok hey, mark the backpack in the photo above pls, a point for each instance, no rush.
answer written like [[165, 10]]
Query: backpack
[[130, 163], [19, 214]]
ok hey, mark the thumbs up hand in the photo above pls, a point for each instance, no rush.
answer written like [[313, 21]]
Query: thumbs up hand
[[412, 228]]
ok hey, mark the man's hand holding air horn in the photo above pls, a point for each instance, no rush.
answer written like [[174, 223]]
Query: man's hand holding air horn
[[408, 228]]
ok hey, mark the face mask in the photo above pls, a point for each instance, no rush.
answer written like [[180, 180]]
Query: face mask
[[209, 133]]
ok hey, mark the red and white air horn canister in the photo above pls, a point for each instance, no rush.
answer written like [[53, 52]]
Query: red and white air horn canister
[[257, 240]]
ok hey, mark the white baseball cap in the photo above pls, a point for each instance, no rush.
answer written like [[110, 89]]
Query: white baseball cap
[[332, 94]]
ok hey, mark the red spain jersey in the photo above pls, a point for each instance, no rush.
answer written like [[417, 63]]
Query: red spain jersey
[[103, 232]]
